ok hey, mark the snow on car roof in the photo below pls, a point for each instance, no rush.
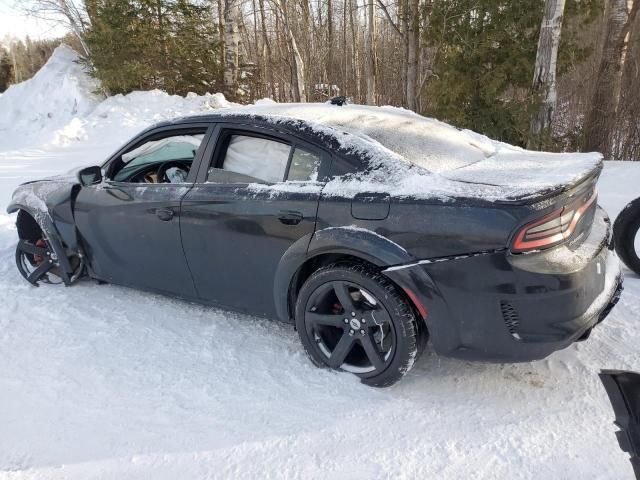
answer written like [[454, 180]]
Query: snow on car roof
[[452, 162], [429, 143]]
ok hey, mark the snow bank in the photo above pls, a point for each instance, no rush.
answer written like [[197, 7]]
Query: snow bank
[[58, 93], [138, 110], [121, 116], [61, 105]]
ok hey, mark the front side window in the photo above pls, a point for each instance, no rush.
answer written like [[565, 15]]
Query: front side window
[[252, 159], [163, 160]]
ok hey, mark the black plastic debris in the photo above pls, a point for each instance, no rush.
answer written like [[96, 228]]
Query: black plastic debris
[[339, 101], [623, 389]]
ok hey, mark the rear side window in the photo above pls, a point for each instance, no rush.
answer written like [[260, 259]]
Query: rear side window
[[304, 166], [251, 159], [341, 166]]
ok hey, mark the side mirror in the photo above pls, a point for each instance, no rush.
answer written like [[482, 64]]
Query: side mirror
[[90, 176]]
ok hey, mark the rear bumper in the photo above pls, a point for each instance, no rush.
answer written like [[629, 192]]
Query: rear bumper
[[500, 307]]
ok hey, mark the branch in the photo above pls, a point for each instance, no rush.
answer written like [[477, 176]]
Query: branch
[[386, 13]]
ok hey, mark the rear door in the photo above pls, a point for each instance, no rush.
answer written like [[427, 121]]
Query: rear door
[[256, 198]]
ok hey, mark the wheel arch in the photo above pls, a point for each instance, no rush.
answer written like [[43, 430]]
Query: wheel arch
[[27, 220], [327, 246]]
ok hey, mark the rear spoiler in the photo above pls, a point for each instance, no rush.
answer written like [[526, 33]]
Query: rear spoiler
[[623, 389], [569, 189]]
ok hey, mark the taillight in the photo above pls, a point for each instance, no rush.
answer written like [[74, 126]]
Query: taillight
[[553, 228]]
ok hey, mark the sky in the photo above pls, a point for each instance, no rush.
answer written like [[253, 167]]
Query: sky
[[14, 22]]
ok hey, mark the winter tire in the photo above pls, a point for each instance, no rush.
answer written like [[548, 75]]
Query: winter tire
[[352, 318], [626, 237]]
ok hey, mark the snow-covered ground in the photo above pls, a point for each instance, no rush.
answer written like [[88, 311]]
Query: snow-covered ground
[[106, 382]]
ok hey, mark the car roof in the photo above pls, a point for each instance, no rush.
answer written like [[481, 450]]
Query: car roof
[[394, 141], [428, 143]]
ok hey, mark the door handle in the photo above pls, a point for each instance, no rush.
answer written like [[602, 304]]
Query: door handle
[[289, 217], [164, 214]]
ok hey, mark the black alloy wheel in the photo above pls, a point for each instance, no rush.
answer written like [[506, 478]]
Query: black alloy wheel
[[352, 318], [37, 262]]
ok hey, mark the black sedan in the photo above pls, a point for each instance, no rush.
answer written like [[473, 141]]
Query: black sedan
[[371, 229]]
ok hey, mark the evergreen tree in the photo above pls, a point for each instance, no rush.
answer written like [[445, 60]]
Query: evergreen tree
[[145, 44], [486, 50], [6, 70]]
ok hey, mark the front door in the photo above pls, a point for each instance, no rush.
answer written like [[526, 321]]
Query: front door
[[130, 224], [258, 198]]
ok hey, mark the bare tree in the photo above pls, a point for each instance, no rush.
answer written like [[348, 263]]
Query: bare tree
[[407, 27], [231, 47], [266, 52], [70, 13], [627, 130], [601, 118], [544, 74], [298, 90], [221, 29], [371, 71], [413, 53]]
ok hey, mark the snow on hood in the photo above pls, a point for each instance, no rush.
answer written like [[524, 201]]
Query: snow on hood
[[450, 162]]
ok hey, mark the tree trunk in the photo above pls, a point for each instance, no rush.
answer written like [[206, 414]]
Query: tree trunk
[[345, 63], [17, 74], [282, 87], [627, 125], [231, 48], [601, 118], [298, 90], [544, 74], [74, 14], [330, 71], [413, 53], [371, 71], [354, 51], [266, 52], [221, 30]]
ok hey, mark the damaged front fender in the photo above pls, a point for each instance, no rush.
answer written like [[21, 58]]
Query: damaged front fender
[[50, 204]]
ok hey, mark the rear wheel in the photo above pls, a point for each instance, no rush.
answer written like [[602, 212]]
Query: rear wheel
[[627, 237], [352, 318]]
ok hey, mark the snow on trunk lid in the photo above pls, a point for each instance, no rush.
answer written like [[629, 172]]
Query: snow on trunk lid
[[524, 174]]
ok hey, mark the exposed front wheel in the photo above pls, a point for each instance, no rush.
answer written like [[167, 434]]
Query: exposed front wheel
[[37, 262], [352, 318]]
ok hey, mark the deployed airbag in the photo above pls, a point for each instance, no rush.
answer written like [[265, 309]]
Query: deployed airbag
[[257, 157]]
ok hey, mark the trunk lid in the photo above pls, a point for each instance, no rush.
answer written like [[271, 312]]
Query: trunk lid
[[530, 177]]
